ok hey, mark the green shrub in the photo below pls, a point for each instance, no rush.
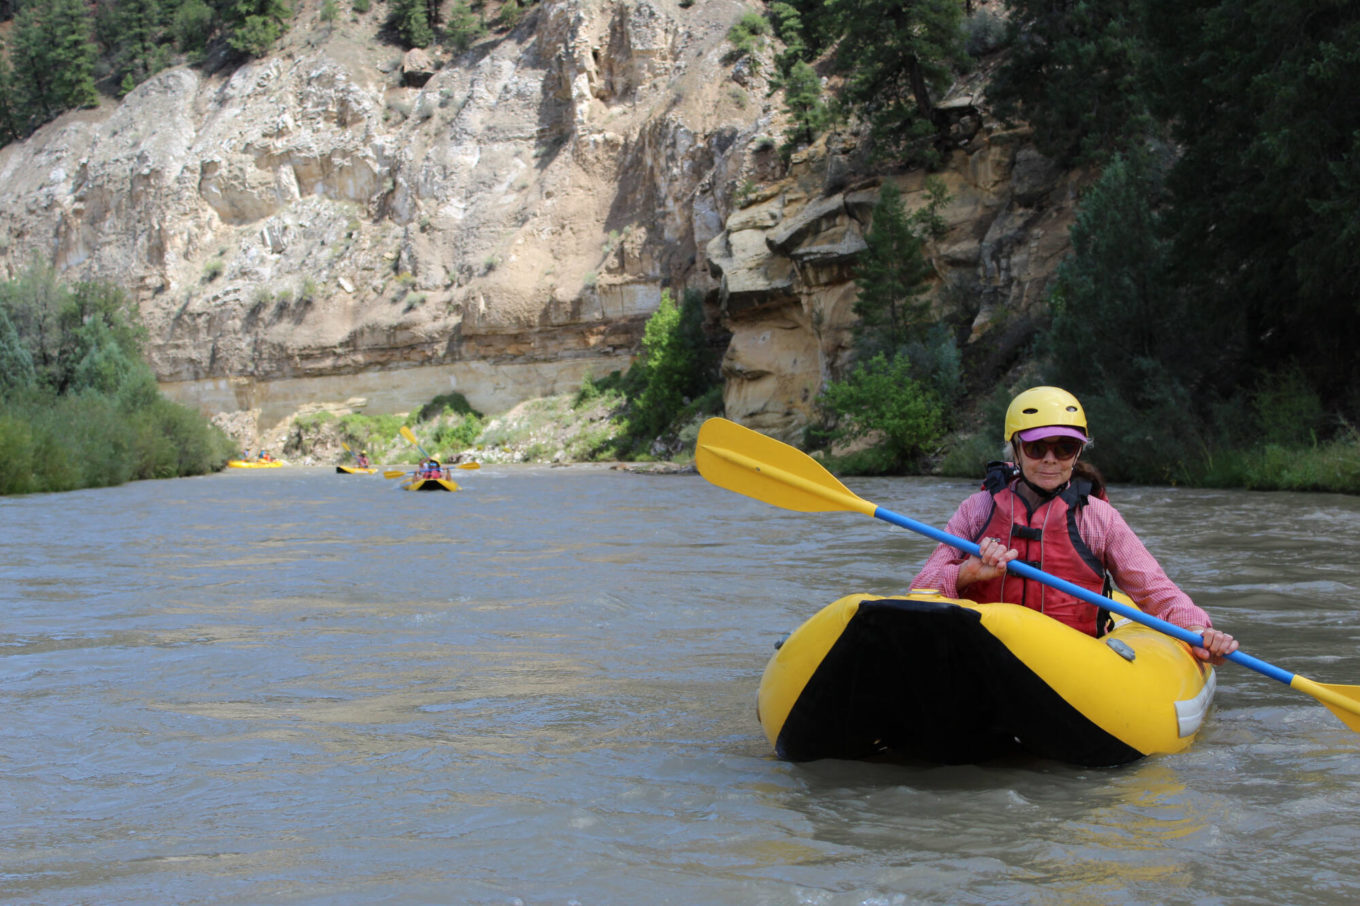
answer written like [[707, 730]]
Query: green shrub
[[749, 34], [92, 415], [672, 369], [881, 401]]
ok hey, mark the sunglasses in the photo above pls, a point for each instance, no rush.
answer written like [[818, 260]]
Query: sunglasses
[[1063, 448]]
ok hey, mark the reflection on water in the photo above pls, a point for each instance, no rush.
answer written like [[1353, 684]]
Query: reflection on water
[[301, 686]]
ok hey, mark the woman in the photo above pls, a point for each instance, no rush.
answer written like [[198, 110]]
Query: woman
[[1050, 509]]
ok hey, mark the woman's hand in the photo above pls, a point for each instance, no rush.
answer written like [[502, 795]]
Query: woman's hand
[[1217, 645], [991, 564]]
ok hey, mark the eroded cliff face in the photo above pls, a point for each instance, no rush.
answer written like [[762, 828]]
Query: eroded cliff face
[[786, 258], [337, 226]]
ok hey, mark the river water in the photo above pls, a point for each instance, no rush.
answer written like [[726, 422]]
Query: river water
[[292, 686]]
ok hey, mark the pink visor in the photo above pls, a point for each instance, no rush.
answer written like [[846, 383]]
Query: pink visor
[[1052, 431]]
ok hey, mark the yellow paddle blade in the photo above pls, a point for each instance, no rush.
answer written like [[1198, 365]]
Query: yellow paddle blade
[[346, 446], [469, 465], [1343, 701], [409, 435], [393, 473], [752, 464]]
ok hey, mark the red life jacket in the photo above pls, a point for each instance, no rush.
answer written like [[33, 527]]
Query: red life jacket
[[1048, 540]]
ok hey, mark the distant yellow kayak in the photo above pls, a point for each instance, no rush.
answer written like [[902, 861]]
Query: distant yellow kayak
[[354, 470], [255, 464], [430, 484]]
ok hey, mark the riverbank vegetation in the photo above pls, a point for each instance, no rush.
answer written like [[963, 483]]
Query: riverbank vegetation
[[1206, 316], [78, 405], [652, 411]]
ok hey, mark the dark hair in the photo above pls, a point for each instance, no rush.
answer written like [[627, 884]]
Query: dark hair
[[1083, 469]]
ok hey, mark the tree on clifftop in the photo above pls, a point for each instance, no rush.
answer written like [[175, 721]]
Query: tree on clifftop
[[895, 54], [412, 21], [254, 25], [53, 59]]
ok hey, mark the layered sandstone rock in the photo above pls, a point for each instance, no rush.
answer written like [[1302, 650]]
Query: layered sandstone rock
[[344, 225]]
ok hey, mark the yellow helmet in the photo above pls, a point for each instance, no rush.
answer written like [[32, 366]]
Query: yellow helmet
[[1042, 407]]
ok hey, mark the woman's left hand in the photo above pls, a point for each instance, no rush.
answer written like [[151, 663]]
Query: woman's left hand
[[1217, 645]]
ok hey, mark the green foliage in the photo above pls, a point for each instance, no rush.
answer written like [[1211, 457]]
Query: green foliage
[[1074, 73], [896, 56], [511, 12], [52, 58], [133, 30], [882, 401], [673, 368], [1286, 408], [1332, 466], [11, 118], [803, 101], [192, 26], [1265, 192], [985, 33], [787, 23], [463, 26], [446, 404], [411, 21], [591, 390], [1119, 326], [892, 274], [16, 362], [748, 35], [81, 408], [254, 25]]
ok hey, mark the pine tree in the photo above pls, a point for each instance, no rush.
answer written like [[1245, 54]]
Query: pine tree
[[463, 26], [254, 25], [134, 38], [803, 100], [1074, 74], [892, 274], [71, 33], [1266, 190], [10, 128], [897, 55], [1120, 328], [16, 363], [192, 24], [34, 69], [411, 20]]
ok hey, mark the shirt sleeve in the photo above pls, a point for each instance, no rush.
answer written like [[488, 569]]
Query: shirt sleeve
[[1134, 569], [941, 570]]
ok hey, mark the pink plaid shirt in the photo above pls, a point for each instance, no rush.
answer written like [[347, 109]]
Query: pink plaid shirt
[[1109, 537]]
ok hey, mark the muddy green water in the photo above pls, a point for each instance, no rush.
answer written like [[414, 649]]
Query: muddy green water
[[291, 686]]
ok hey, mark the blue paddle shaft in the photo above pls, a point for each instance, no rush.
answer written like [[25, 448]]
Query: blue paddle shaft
[[1026, 571]]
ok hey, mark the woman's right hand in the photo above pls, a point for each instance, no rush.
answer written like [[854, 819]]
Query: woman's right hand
[[990, 565]]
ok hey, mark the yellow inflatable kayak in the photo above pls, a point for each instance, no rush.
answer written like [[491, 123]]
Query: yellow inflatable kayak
[[430, 484], [255, 463], [354, 470], [954, 681]]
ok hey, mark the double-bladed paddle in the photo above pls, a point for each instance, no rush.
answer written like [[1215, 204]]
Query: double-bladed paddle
[[750, 463], [411, 436]]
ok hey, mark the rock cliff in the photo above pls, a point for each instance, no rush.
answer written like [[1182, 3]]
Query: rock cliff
[[343, 225]]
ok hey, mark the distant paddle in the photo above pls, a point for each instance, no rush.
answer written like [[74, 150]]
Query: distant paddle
[[761, 467], [410, 436]]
